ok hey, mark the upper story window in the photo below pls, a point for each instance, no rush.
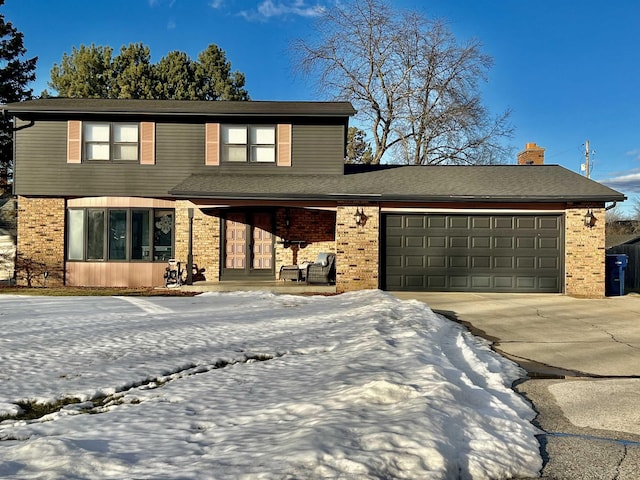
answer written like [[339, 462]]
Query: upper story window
[[248, 143], [105, 141]]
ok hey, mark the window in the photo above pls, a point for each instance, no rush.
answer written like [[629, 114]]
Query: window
[[253, 143], [105, 141], [120, 234]]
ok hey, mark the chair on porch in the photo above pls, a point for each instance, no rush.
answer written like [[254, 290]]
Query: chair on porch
[[323, 270]]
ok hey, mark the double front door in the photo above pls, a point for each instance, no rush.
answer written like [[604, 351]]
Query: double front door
[[248, 245]]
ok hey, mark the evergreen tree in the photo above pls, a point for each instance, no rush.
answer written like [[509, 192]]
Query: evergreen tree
[[91, 72], [16, 73]]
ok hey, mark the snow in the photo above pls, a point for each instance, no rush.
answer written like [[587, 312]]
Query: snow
[[253, 385]]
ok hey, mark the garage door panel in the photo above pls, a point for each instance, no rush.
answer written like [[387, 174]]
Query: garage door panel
[[516, 253]]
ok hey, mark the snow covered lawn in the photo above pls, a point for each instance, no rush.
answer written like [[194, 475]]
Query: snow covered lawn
[[255, 385]]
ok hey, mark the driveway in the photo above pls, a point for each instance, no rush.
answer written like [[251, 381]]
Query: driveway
[[583, 359]]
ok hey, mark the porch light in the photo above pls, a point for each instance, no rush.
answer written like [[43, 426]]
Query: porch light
[[589, 219], [360, 217]]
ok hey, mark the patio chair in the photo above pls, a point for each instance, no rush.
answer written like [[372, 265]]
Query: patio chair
[[323, 270]]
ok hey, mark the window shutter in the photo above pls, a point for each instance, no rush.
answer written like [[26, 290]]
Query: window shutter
[[147, 143], [212, 144], [284, 145], [74, 141]]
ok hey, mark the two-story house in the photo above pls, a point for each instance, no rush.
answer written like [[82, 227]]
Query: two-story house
[[109, 190]]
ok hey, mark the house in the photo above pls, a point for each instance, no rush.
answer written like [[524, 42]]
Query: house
[[109, 190]]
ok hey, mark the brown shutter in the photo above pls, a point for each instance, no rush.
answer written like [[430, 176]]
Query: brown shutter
[[212, 144], [74, 141], [284, 145], [147, 143]]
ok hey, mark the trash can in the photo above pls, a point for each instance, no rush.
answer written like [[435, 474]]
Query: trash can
[[615, 265]]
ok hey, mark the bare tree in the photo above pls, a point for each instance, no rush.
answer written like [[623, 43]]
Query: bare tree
[[409, 79]]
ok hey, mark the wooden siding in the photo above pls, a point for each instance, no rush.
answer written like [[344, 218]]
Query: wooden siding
[[42, 168], [115, 274]]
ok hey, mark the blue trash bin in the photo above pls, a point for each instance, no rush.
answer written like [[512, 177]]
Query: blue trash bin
[[615, 265]]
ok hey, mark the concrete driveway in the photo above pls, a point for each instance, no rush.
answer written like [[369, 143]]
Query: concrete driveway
[[583, 356]]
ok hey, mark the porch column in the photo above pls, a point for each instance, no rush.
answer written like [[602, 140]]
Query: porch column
[[206, 239], [357, 247]]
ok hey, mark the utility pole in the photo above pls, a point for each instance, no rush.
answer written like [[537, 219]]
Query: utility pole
[[587, 166]]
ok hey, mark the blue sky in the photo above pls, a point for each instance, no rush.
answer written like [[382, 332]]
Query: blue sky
[[568, 69]]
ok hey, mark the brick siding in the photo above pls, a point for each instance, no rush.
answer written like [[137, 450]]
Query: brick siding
[[40, 245], [584, 253], [206, 239], [357, 248]]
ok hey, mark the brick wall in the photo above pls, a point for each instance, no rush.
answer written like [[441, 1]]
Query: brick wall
[[206, 239], [40, 245], [584, 253], [316, 227], [357, 248]]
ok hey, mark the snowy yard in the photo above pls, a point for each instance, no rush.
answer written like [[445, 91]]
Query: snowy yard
[[255, 385]]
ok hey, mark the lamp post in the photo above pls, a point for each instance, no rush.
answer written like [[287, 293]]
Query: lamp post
[[190, 253]]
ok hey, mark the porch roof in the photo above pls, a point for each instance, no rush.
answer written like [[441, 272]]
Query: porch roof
[[492, 183]]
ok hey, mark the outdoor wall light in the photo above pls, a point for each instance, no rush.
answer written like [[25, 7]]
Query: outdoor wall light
[[287, 218], [589, 219], [360, 217]]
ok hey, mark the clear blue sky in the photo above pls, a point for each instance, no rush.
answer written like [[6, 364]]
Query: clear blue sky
[[568, 69]]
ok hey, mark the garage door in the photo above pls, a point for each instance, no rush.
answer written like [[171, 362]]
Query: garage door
[[484, 253]]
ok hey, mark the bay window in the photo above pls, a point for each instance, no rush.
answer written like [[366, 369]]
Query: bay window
[[120, 234]]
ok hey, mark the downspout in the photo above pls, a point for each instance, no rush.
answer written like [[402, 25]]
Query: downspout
[[613, 205]]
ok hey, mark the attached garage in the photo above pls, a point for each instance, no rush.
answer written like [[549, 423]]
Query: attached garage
[[473, 252]]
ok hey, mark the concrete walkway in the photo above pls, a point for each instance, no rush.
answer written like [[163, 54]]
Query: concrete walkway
[[583, 356]]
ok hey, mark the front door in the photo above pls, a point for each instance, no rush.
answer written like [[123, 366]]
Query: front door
[[248, 245]]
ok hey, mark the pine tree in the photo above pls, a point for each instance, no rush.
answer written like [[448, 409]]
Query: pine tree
[[15, 74]]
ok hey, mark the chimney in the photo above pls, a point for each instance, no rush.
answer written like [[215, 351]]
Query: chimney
[[531, 155]]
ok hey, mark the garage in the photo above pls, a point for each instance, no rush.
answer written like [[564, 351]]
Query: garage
[[479, 252]]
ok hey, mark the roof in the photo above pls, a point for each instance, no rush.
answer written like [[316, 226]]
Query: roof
[[503, 183], [179, 107]]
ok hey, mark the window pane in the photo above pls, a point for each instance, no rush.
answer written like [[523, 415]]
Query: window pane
[[263, 154], [96, 132], [95, 235], [140, 238], [97, 151], [162, 234], [234, 153], [234, 134], [125, 132], [75, 234], [125, 152], [263, 135], [117, 234]]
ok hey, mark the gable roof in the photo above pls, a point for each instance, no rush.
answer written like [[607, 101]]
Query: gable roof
[[502, 183], [179, 107]]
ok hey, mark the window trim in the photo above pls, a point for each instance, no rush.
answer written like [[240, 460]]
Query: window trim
[[106, 243], [112, 144], [249, 146]]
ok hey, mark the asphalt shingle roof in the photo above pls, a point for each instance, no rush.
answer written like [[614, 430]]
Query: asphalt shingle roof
[[513, 183], [180, 107]]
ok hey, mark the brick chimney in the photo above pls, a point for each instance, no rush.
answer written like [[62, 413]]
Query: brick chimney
[[531, 155]]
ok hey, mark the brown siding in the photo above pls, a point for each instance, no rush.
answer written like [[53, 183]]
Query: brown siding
[[115, 274], [147, 143], [42, 168]]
